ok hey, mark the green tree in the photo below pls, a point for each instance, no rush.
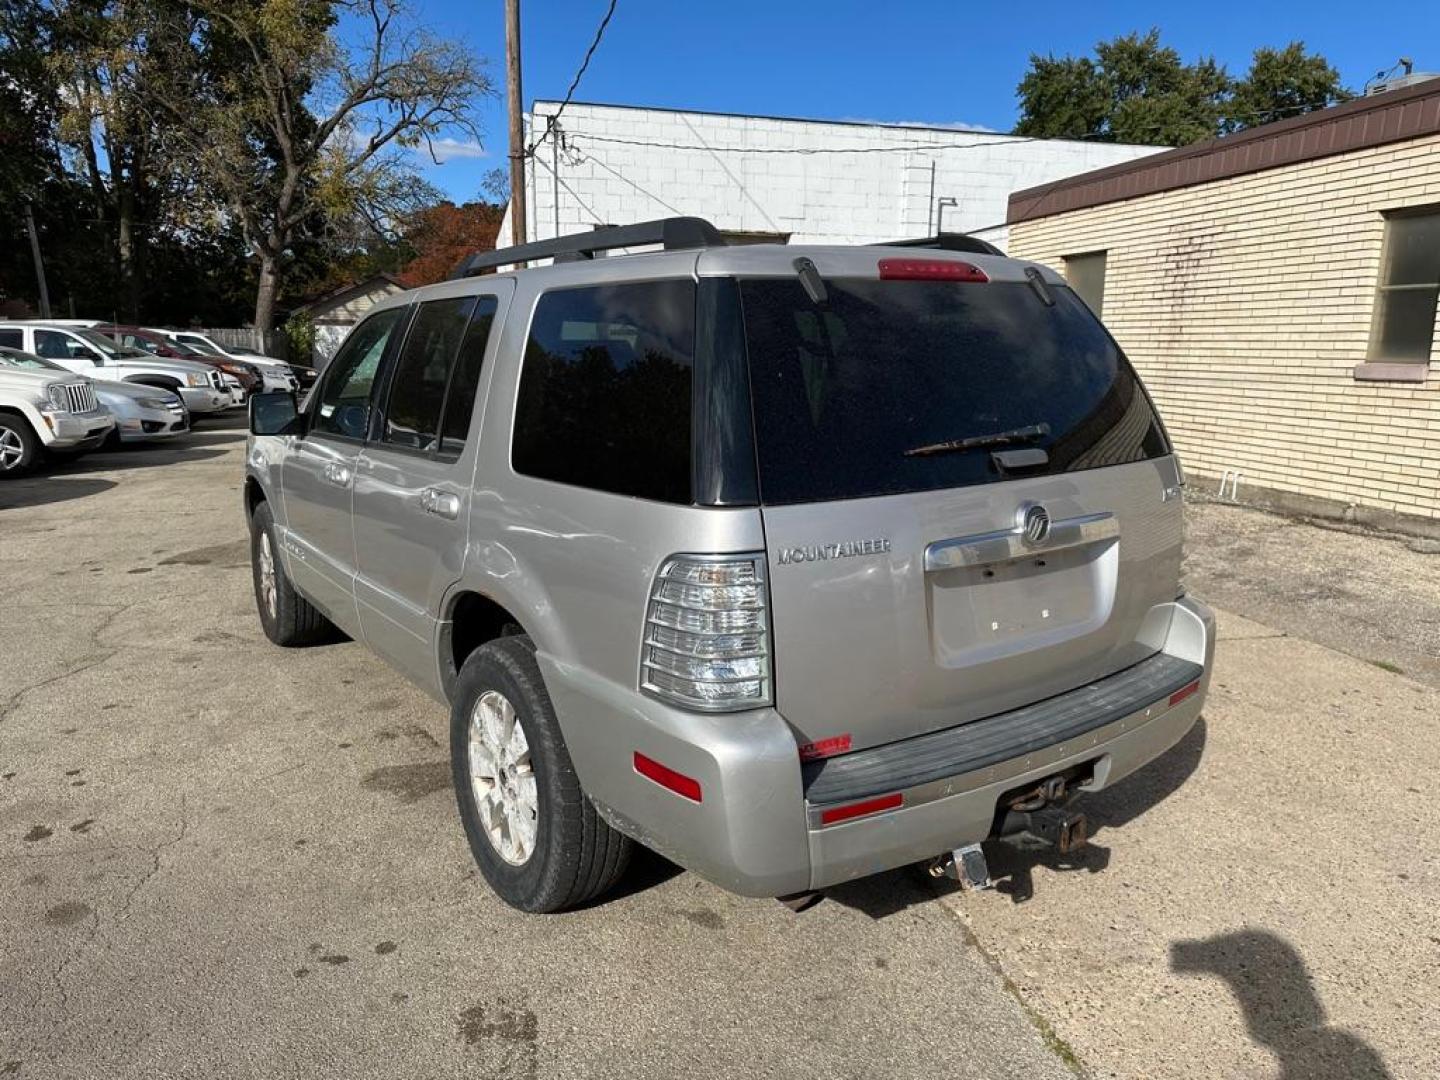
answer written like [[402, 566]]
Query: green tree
[[299, 124], [1137, 90], [1283, 83]]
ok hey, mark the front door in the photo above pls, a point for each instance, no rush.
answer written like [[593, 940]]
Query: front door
[[413, 479], [318, 474]]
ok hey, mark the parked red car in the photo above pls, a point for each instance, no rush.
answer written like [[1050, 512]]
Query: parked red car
[[137, 337]]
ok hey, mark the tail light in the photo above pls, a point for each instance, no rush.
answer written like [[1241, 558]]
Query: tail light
[[707, 633]]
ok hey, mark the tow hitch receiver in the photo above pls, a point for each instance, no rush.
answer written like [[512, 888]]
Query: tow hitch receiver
[[1041, 812], [1066, 829], [966, 865]]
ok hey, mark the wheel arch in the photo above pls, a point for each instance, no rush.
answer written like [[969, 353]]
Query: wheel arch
[[21, 414], [469, 620], [254, 495]]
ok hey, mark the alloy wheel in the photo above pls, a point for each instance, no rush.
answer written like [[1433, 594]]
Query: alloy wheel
[[502, 778]]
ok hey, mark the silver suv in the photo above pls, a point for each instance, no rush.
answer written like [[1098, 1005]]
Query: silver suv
[[794, 564]]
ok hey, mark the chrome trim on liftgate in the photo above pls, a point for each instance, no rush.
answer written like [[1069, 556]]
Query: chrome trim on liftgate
[[981, 549]]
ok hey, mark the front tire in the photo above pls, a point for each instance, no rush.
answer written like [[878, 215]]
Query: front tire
[[287, 618], [534, 833], [19, 446]]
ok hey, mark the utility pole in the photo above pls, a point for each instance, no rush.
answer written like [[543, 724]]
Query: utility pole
[[517, 128], [39, 264]]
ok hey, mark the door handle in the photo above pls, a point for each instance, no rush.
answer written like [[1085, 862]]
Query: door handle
[[440, 503], [338, 474]]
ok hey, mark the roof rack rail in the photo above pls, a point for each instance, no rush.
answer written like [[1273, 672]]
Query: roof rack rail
[[950, 241], [673, 233]]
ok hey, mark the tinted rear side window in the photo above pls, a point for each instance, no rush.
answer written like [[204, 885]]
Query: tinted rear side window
[[604, 399], [842, 390]]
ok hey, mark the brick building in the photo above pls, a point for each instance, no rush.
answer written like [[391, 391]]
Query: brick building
[[1277, 290], [773, 178]]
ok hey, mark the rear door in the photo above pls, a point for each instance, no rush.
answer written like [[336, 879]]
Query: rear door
[[919, 581], [413, 479], [318, 473]]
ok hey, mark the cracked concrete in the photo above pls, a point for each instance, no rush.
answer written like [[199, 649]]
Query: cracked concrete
[[236, 853], [1263, 898]]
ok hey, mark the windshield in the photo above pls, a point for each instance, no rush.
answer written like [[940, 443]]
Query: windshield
[[105, 344], [16, 358], [846, 392], [198, 344]]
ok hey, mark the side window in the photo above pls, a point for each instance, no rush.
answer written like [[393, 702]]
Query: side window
[[12, 339], [344, 404], [422, 371], [604, 399], [54, 345], [465, 379]]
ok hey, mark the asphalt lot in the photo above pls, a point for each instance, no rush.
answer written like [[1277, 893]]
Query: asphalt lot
[[222, 859]]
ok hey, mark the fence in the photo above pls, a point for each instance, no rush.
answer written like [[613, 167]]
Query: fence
[[247, 337]]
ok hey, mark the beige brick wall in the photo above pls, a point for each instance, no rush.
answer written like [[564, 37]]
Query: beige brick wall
[[1246, 303]]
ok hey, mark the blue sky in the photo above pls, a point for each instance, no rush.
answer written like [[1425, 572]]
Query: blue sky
[[908, 60]]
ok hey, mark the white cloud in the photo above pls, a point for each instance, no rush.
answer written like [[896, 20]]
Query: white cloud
[[447, 148]]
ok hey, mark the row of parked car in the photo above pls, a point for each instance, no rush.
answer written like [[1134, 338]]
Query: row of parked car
[[71, 386]]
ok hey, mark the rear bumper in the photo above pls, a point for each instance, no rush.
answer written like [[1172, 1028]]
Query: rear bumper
[[754, 830]]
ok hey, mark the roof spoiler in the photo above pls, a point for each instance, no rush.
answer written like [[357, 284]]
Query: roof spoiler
[[950, 241], [673, 234]]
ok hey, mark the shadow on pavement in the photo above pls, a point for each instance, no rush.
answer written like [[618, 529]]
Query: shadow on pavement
[[1282, 1012], [43, 490], [647, 869], [136, 457], [890, 893], [1012, 862]]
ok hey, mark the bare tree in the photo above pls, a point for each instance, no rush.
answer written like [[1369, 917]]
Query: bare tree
[[293, 128]]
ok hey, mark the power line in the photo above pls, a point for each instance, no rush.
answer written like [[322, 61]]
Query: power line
[[999, 139], [575, 82]]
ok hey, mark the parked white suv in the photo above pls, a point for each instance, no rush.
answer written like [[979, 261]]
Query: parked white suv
[[88, 352], [41, 411]]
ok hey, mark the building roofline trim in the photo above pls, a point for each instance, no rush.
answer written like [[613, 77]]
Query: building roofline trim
[[938, 129], [1395, 116]]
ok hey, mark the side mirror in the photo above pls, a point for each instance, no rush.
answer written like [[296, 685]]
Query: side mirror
[[275, 413]]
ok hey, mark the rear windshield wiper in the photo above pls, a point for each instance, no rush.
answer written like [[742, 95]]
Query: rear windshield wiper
[[975, 442]]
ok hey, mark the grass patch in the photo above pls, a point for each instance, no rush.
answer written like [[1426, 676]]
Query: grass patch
[[1386, 665]]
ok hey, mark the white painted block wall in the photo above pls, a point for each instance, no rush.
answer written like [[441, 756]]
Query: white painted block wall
[[819, 182]]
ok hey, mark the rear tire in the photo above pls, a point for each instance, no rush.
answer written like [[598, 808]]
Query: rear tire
[[543, 847], [287, 618], [19, 446]]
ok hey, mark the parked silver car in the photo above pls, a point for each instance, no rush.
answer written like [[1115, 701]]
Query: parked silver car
[[795, 564], [142, 413]]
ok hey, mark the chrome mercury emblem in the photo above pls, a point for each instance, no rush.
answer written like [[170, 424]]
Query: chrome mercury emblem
[[1033, 522]]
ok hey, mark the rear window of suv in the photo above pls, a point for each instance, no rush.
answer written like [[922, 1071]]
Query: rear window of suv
[[604, 399], [843, 389]]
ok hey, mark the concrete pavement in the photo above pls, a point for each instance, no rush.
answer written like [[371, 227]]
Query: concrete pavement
[[218, 858]]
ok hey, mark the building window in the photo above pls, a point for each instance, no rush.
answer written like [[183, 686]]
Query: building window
[[1086, 275], [1409, 285]]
